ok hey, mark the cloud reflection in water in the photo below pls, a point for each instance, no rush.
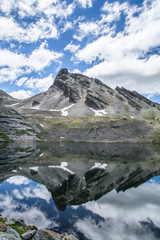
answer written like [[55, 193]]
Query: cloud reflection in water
[[133, 214]]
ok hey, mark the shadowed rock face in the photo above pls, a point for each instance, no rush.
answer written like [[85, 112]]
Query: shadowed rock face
[[90, 170], [76, 91], [14, 126]]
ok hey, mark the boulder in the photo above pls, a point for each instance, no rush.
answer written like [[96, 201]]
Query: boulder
[[28, 235], [3, 227], [13, 232], [6, 236]]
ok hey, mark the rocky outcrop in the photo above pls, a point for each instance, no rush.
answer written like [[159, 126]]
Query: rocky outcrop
[[24, 232], [6, 99], [15, 127], [136, 100]]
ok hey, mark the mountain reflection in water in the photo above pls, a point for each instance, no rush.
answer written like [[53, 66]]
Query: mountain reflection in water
[[94, 191]]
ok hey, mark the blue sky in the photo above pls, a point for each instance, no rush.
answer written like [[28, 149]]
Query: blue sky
[[115, 41]]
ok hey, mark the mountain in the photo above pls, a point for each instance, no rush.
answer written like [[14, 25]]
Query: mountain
[[79, 108], [77, 95], [6, 99]]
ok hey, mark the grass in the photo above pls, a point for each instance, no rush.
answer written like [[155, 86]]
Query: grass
[[4, 137], [156, 135], [22, 132], [17, 227], [150, 115], [21, 228]]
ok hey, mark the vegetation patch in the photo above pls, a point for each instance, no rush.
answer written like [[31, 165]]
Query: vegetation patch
[[156, 135], [4, 137], [18, 227], [150, 115]]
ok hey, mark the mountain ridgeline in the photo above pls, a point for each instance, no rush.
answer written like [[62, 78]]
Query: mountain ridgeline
[[79, 108], [84, 96]]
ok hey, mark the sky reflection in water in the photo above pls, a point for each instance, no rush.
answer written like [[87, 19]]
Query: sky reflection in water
[[133, 213]]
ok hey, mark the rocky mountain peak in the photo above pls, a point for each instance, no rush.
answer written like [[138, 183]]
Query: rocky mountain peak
[[77, 86], [85, 96]]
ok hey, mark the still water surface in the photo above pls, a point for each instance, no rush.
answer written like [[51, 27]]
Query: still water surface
[[94, 191]]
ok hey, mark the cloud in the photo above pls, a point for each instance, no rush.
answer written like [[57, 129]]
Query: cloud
[[42, 57], [17, 194], [124, 58], [42, 14], [14, 65], [39, 191], [87, 28], [21, 81], [114, 10], [42, 84], [32, 8], [71, 47], [85, 3], [42, 29], [21, 94], [123, 213], [32, 215]]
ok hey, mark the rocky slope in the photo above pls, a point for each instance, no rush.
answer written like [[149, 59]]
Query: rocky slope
[[6, 99], [15, 229], [15, 127], [66, 109], [78, 95]]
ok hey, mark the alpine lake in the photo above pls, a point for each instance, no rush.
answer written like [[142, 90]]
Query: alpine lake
[[95, 191]]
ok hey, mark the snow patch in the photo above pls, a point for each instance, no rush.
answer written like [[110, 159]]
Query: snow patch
[[41, 154], [99, 165], [99, 112], [41, 125], [64, 112], [131, 117], [62, 166], [14, 104], [14, 171], [34, 168], [36, 107]]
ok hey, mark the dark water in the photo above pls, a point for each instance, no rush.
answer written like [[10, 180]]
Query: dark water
[[94, 191]]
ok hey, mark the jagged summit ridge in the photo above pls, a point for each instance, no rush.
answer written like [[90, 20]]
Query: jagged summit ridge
[[74, 94], [76, 86]]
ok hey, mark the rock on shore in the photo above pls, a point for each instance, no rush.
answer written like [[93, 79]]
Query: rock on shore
[[15, 229]]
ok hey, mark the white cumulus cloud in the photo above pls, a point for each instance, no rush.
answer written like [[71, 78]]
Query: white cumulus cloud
[[42, 84], [124, 57], [14, 65], [21, 94], [85, 3]]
